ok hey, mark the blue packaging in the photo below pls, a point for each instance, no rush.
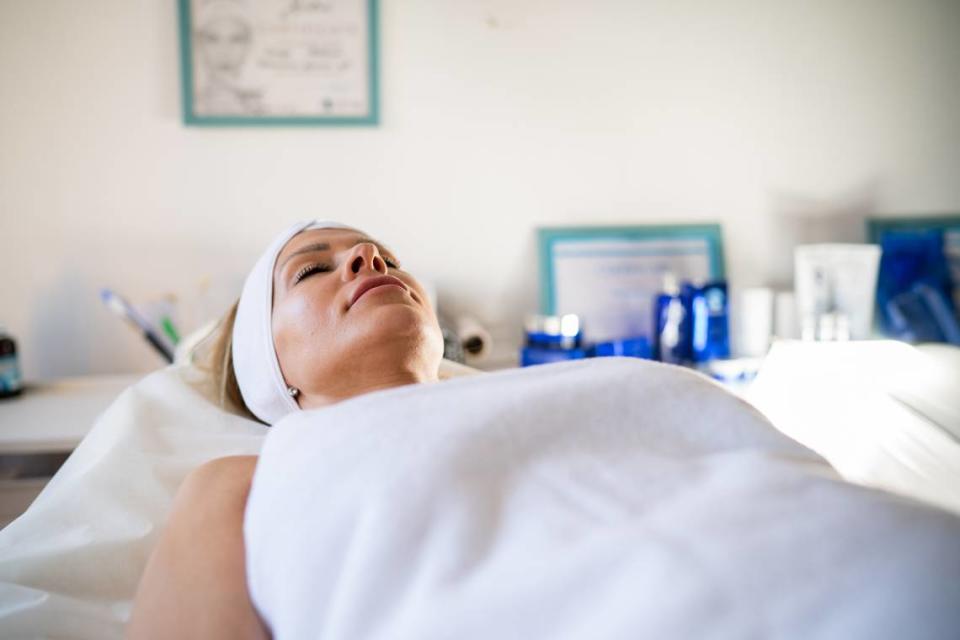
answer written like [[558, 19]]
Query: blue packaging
[[709, 325], [922, 314], [691, 323], [554, 332], [671, 335], [638, 347], [552, 339], [540, 355], [913, 284]]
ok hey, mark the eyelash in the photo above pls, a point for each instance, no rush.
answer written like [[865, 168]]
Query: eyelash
[[310, 270], [320, 268]]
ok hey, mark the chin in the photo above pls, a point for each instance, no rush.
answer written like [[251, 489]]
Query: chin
[[393, 320]]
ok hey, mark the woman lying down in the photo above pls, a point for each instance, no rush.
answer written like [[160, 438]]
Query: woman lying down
[[606, 498]]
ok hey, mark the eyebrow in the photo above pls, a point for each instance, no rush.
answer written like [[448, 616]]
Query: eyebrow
[[325, 246]]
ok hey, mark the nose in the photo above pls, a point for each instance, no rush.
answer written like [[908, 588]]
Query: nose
[[365, 256]]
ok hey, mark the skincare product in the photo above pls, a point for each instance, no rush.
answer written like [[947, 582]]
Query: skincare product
[[560, 332], [709, 326], [836, 288], [671, 333], [551, 339], [638, 347], [11, 382], [751, 321]]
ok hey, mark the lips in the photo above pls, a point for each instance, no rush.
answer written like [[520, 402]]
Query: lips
[[370, 283]]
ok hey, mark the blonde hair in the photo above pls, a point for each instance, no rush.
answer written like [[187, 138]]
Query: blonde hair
[[219, 363]]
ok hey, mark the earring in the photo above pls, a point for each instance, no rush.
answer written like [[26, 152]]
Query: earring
[[293, 391]]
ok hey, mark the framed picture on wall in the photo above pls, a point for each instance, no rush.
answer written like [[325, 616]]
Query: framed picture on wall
[[279, 62], [609, 275]]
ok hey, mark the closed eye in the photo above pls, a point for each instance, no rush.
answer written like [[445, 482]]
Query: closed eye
[[309, 270]]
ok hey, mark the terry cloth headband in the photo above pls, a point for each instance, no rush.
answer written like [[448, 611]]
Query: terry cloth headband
[[254, 356]]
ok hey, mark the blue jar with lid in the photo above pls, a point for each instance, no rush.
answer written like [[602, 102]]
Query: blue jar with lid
[[11, 383], [552, 339]]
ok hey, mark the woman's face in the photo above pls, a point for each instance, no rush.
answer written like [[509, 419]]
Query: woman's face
[[332, 331], [224, 43]]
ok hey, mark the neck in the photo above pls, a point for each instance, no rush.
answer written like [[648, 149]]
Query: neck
[[358, 382]]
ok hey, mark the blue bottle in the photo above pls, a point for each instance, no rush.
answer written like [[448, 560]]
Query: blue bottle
[[709, 324], [671, 341]]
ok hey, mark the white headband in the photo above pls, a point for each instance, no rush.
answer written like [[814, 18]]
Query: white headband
[[254, 356]]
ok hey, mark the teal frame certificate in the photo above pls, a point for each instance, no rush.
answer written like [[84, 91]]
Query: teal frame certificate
[[279, 62], [609, 275]]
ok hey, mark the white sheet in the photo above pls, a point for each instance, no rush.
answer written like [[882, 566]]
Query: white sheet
[[879, 411], [609, 498], [69, 566]]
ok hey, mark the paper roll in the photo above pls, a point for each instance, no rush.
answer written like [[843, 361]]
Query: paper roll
[[474, 338]]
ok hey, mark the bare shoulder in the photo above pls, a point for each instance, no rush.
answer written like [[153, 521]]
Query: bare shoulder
[[194, 584], [221, 472], [214, 480], [211, 498]]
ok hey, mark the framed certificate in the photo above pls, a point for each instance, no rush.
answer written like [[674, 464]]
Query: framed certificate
[[279, 62], [609, 276]]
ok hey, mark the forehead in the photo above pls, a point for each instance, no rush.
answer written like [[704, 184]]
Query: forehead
[[220, 26]]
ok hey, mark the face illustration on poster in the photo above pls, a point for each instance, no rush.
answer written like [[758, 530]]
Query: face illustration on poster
[[223, 43]]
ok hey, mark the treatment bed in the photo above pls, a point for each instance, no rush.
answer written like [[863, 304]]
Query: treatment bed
[[677, 508]]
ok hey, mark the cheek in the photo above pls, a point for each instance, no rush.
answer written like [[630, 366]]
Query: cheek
[[421, 293], [433, 320], [299, 322]]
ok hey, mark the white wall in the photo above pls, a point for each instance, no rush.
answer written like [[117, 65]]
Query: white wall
[[497, 116]]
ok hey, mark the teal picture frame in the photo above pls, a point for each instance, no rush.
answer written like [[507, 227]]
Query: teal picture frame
[[877, 226], [547, 238], [191, 118]]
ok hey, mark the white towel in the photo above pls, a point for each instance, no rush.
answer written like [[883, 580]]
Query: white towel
[[606, 498]]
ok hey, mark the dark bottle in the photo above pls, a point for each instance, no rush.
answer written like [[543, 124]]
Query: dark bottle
[[11, 383]]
